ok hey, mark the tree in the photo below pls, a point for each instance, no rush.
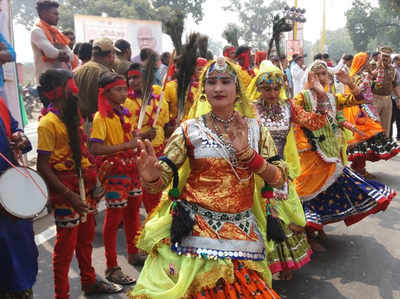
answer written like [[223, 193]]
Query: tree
[[256, 18], [338, 43], [373, 25], [186, 7], [390, 5], [173, 13], [232, 34], [362, 24]]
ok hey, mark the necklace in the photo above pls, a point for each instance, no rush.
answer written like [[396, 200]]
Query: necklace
[[227, 144], [224, 122], [272, 112]]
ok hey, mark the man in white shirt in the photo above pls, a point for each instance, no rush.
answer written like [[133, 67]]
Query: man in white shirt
[[298, 70], [49, 45]]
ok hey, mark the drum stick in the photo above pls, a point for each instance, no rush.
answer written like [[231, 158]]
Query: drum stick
[[82, 193]]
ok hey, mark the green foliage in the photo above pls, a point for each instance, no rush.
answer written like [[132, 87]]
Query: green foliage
[[374, 26], [392, 6], [361, 23], [186, 7], [338, 43], [256, 18], [232, 34]]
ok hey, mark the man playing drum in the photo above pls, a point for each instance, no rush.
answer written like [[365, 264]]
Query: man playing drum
[[18, 251]]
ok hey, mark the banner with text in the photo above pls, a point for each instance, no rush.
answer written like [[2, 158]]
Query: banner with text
[[140, 33]]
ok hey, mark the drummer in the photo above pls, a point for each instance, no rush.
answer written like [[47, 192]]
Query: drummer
[[62, 152], [18, 251]]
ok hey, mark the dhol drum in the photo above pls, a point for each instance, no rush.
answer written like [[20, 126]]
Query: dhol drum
[[23, 192]]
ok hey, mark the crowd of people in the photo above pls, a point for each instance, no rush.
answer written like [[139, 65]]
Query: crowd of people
[[239, 161]]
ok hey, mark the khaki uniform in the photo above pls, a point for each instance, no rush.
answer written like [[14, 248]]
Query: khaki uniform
[[382, 98], [121, 65], [87, 78]]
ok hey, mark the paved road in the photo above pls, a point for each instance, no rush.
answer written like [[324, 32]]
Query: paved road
[[362, 262]]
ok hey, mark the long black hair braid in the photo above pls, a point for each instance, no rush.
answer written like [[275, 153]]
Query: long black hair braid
[[69, 115]]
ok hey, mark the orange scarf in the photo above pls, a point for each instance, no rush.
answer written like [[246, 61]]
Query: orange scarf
[[53, 35], [358, 62]]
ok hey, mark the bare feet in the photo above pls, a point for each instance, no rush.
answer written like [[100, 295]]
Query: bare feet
[[322, 235], [316, 246], [286, 275]]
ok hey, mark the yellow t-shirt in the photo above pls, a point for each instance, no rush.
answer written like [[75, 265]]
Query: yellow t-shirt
[[171, 97], [109, 130], [53, 140], [133, 105]]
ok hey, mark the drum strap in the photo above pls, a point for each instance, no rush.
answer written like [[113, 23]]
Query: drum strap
[[9, 152]]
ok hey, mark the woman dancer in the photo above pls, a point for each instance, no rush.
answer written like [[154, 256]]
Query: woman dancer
[[330, 191], [371, 144], [205, 241], [279, 115]]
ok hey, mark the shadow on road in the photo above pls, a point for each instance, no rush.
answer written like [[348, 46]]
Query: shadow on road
[[348, 259]]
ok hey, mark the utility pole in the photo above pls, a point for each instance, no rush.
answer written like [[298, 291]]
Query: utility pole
[[295, 24], [323, 33]]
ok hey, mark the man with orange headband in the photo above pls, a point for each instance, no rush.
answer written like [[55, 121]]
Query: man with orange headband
[[152, 126], [113, 142], [243, 58], [50, 47], [229, 52]]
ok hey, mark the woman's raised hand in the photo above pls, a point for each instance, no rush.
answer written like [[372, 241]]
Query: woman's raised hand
[[147, 163], [238, 132], [344, 77]]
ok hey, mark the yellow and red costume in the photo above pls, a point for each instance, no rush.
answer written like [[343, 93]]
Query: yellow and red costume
[[133, 103], [112, 127], [72, 234], [171, 98]]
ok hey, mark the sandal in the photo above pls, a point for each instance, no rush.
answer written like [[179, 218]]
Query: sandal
[[116, 275], [102, 287]]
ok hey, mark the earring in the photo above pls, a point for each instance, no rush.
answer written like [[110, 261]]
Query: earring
[[203, 97], [238, 99]]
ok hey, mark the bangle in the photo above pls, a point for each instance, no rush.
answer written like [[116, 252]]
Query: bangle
[[263, 168], [154, 186], [246, 155], [257, 163], [277, 177]]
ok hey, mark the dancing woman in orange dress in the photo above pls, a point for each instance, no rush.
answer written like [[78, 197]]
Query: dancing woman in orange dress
[[371, 144]]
